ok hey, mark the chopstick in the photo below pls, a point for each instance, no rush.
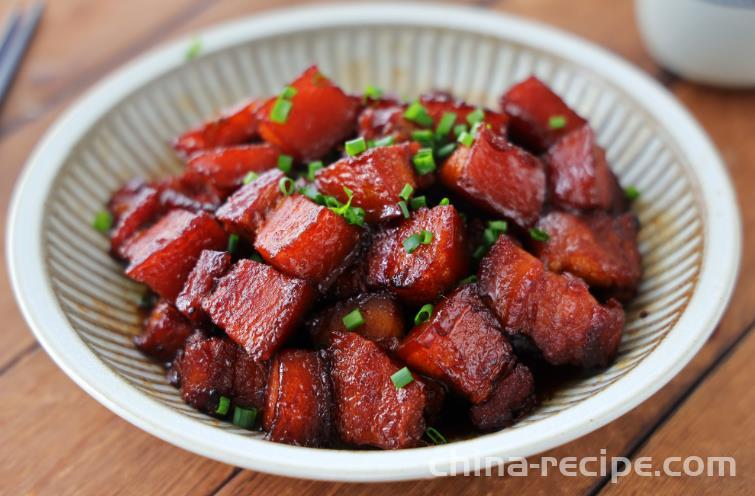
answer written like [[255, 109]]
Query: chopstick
[[14, 42]]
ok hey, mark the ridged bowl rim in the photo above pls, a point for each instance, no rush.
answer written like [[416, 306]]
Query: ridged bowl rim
[[34, 293]]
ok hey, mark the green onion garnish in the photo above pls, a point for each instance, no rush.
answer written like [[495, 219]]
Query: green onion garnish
[[286, 186], [353, 215], [406, 192], [475, 117], [444, 201], [417, 113], [233, 243], [257, 257], [288, 92], [312, 169], [355, 147], [459, 129], [353, 320], [195, 48], [539, 234], [223, 405], [402, 378], [424, 136], [446, 124], [404, 209], [466, 139], [412, 243], [632, 193], [250, 177], [479, 252], [372, 92], [498, 225], [386, 141], [435, 436], [468, 280], [418, 202], [285, 162], [244, 417], [426, 237], [424, 314], [280, 110], [446, 150], [424, 163], [557, 122], [103, 221]]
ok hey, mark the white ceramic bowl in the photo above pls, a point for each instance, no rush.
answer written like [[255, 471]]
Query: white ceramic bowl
[[82, 309]]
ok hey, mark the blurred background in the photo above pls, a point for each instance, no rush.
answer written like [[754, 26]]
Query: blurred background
[[57, 440]]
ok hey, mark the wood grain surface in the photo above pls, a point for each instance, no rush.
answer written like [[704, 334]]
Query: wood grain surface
[[55, 439]]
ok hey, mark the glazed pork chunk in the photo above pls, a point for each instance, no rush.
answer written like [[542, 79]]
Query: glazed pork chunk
[[245, 210], [211, 266], [370, 409], [599, 248], [226, 168], [421, 257], [238, 126], [165, 331], [513, 397], [557, 312]]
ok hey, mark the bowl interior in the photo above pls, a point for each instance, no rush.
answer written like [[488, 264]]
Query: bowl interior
[[132, 139]]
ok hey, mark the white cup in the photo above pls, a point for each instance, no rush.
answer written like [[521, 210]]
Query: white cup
[[710, 41]]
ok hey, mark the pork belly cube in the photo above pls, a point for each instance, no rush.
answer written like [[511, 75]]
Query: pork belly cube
[[376, 178], [599, 248], [513, 397], [382, 315], [143, 207], [258, 307], [435, 393], [430, 269], [557, 312], [249, 381], [190, 191], [370, 410], [498, 177], [438, 103], [306, 240], [321, 116], [209, 268], [352, 281], [299, 400], [165, 331], [123, 198], [226, 168], [385, 118], [238, 126], [462, 345], [578, 175], [163, 255], [538, 115], [207, 369], [245, 210]]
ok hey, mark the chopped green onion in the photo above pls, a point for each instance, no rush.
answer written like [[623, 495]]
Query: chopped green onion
[[404, 209], [244, 417], [424, 163], [417, 113], [223, 405], [312, 169], [476, 117], [257, 257], [479, 252], [250, 177], [233, 243], [446, 150], [444, 201], [355, 147], [353, 215], [426, 237], [386, 141], [446, 124], [557, 122], [353, 320], [286, 186], [466, 139], [372, 92], [280, 110], [459, 129], [103, 221], [468, 280], [288, 92], [332, 202], [490, 236], [195, 48], [310, 191], [424, 136], [418, 202], [402, 378], [424, 314], [539, 234], [412, 243], [632, 193], [435, 436], [498, 225], [406, 192], [146, 300], [285, 162]]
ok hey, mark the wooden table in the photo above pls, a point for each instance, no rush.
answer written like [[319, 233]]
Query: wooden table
[[55, 439]]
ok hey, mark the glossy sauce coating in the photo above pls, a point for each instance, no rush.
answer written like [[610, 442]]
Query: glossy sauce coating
[[513, 396], [210, 266], [226, 168], [238, 126], [246, 209], [165, 331]]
